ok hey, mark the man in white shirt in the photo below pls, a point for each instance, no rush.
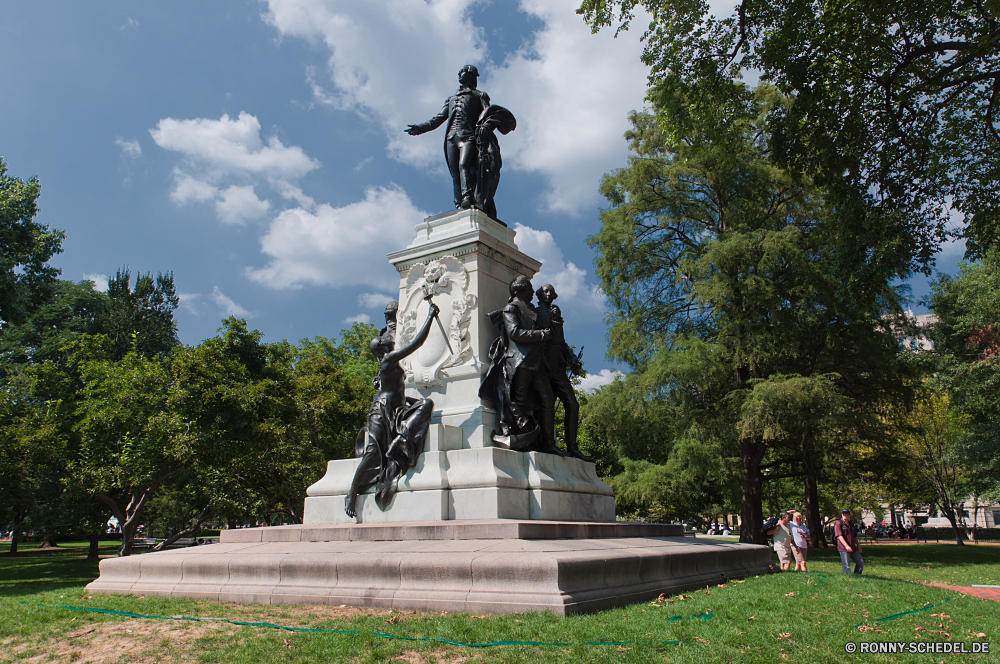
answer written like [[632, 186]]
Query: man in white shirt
[[781, 534], [800, 542]]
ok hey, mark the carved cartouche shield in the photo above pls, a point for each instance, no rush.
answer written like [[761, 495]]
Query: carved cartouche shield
[[446, 281]]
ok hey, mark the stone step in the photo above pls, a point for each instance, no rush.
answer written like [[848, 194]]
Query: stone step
[[486, 529], [475, 575]]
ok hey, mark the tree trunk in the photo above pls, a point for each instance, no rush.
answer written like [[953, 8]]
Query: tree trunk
[[128, 540], [949, 512], [206, 514], [93, 551], [17, 527], [751, 509], [130, 522], [970, 530], [291, 510], [813, 517], [892, 514]]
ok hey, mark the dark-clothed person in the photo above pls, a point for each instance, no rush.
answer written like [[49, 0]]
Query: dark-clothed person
[[847, 544]]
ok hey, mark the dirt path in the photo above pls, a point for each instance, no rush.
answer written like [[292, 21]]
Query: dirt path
[[984, 593]]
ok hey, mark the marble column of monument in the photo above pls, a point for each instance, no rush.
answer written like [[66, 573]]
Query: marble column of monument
[[465, 261]]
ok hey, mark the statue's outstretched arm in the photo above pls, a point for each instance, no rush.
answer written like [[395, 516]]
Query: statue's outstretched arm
[[430, 125], [418, 341]]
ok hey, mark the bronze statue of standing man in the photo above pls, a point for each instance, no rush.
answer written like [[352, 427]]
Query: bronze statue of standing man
[[558, 358], [470, 147]]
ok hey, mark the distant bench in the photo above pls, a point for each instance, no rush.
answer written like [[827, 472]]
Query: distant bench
[[150, 542]]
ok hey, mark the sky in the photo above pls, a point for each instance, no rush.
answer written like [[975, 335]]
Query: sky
[[256, 148]]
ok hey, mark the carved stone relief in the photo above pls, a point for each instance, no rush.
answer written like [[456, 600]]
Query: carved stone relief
[[445, 280]]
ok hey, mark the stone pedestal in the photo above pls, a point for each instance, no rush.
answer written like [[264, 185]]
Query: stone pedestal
[[466, 261], [494, 566], [481, 483]]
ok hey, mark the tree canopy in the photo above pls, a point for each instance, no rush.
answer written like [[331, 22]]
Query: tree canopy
[[25, 247], [719, 268], [896, 106]]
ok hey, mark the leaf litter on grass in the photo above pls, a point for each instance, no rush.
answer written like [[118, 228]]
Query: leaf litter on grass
[[135, 639], [437, 657]]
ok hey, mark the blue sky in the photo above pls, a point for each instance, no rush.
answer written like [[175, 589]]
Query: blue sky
[[256, 149]]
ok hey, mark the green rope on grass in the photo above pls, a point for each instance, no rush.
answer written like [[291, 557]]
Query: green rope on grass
[[701, 616], [904, 613], [820, 574]]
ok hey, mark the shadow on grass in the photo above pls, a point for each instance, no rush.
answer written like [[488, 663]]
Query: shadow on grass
[[25, 576], [69, 550], [939, 555]]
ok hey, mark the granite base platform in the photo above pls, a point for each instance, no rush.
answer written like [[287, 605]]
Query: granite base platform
[[481, 567]]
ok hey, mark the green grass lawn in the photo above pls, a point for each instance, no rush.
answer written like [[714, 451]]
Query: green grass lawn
[[775, 618]]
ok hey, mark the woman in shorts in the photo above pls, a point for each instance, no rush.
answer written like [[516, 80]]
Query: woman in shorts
[[800, 542]]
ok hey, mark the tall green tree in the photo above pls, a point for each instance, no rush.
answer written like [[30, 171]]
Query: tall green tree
[[931, 433], [26, 247], [896, 105], [63, 311], [234, 396], [140, 317], [333, 388], [719, 270], [32, 445], [965, 361], [40, 387], [130, 442]]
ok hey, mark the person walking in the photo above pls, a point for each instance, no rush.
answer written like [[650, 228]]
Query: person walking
[[800, 542], [847, 544], [781, 534]]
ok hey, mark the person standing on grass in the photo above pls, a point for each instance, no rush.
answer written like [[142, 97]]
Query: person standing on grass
[[800, 542], [847, 544], [782, 536]]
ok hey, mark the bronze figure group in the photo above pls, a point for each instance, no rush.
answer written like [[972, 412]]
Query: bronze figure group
[[527, 373]]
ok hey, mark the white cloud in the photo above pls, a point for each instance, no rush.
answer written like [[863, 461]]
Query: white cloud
[[130, 149], [227, 306], [290, 191], [951, 252], [130, 23], [100, 280], [576, 297], [188, 189], [238, 204], [570, 90], [390, 60], [217, 150], [339, 246], [360, 318], [189, 302], [591, 381], [374, 300], [232, 146]]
